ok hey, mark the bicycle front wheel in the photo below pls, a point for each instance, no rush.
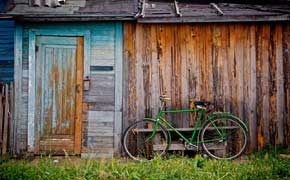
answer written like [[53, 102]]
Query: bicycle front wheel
[[224, 138], [142, 142]]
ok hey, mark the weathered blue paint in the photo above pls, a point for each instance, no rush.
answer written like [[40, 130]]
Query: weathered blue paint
[[6, 50], [47, 31], [56, 70], [102, 47], [2, 5], [18, 115]]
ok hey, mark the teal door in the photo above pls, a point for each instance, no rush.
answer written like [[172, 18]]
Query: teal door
[[58, 60]]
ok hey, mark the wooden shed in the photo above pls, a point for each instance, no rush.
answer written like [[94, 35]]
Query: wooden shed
[[86, 69]]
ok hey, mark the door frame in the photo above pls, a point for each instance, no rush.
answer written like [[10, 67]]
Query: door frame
[[33, 131]]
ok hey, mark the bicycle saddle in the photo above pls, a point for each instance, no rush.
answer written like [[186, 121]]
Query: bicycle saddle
[[201, 103]]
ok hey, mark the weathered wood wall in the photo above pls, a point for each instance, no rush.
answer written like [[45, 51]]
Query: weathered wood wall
[[242, 68]]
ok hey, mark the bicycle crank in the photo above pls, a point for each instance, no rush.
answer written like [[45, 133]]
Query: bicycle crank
[[190, 146]]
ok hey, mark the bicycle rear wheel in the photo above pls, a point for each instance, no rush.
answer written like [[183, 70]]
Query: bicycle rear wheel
[[224, 138], [140, 143]]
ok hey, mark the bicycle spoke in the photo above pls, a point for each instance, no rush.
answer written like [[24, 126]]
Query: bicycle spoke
[[140, 139], [224, 138]]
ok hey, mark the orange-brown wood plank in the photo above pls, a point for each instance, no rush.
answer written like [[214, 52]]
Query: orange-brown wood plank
[[79, 94], [273, 85], [130, 60]]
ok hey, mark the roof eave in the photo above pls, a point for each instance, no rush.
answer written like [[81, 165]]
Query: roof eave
[[66, 17], [208, 19]]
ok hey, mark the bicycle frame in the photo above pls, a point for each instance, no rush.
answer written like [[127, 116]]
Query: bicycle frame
[[161, 120]]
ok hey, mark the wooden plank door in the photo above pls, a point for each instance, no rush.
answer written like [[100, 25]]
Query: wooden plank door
[[59, 71]]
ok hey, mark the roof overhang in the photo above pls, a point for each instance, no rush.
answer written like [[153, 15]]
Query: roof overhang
[[66, 18]]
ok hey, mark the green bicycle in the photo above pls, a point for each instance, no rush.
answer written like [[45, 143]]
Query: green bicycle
[[220, 134]]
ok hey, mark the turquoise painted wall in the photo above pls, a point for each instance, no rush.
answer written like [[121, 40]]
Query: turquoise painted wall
[[105, 43]]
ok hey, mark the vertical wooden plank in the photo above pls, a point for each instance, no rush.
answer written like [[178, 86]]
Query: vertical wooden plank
[[39, 99], [265, 82], [130, 98], [1, 117], [5, 120], [168, 28], [246, 80], [72, 94], [258, 85], [232, 69], [176, 74], [215, 66], [160, 56], [18, 81], [209, 61], [155, 70], [11, 123], [252, 87], [286, 67], [184, 43], [118, 86], [202, 62], [279, 83], [147, 71], [225, 63], [239, 53], [197, 61], [31, 92], [139, 71], [220, 98], [79, 95], [272, 85]]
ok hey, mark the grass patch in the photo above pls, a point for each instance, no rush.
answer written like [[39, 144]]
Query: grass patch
[[264, 165]]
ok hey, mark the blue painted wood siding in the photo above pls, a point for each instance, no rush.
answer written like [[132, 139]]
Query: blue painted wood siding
[[2, 4], [100, 101], [6, 50]]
